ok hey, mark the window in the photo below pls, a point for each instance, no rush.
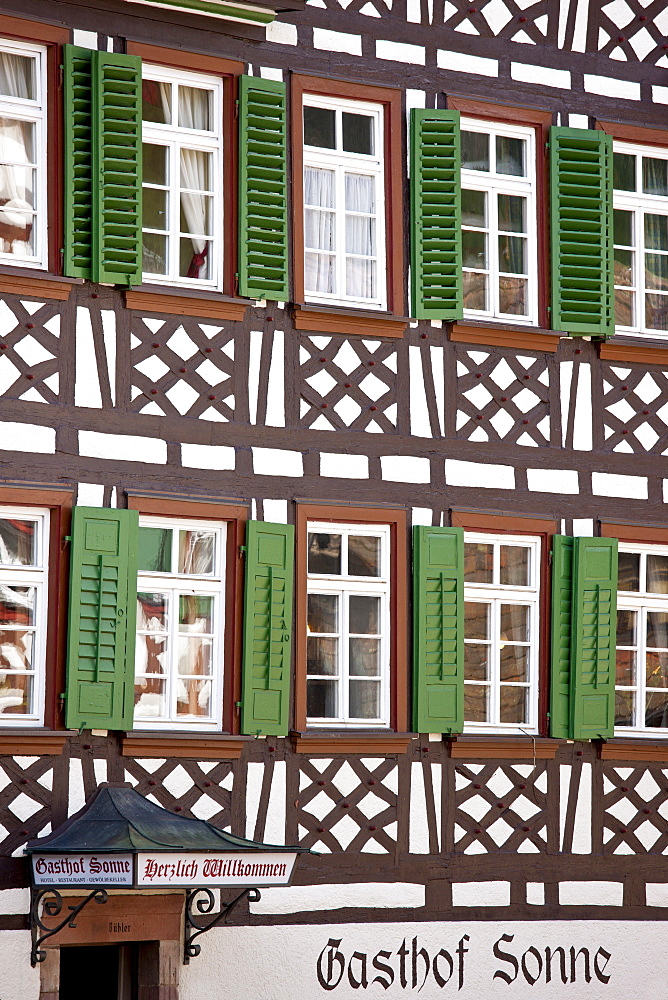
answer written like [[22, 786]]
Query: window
[[23, 172], [641, 238], [348, 625], [641, 689], [344, 202], [180, 622], [183, 178], [499, 221], [501, 595], [23, 608]]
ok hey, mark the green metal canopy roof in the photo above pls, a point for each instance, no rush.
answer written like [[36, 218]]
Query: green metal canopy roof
[[118, 819]]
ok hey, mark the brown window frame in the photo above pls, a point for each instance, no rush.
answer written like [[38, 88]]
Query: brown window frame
[[399, 571], [545, 529], [235, 516], [340, 318]]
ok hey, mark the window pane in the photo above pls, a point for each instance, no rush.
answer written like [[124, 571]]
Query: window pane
[[155, 550], [152, 612], [196, 218], [629, 571], [624, 171], [361, 239], [194, 258], [364, 699], [514, 663], [512, 213], [197, 550], [157, 102], [624, 708], [193, 697], [513, 296], [360, 278], [476, 702], [656, 232], [474, 248], [656, 271], [319, 188], [514, 623], [150, 698], [196, 171], [624, 308], [17, 605], [16, 649], [154, 254], [319, 127], [17, 145], [196, 613], [195, 108], [364, 657], [360, 194], [17, 76], [476, 662], [363, 555], [625, 674], [364, 615], [623, 227], [17, 542], [512, 255], [656, 670], [475, 151], [321, 699], [194, 655], [324, 553], [16, 693], [657, 574], [626, 627], [323, 613], [474, 208], [478, 562], [154, 209], [319, 273], [475, 290], [656, 710], [657, 629], [510, 154], [319, 230], [150, 654], [477, 620], [513, 704], [654, 176], [656, 312], [514, 565], [623, 266], [322, 656], [357, 133]]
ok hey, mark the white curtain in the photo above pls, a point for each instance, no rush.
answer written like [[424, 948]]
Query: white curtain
[[16, 76], [360, 236], [16, 149], [319, 229]]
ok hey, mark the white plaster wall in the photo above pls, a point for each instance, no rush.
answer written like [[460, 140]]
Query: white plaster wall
[[295, 899], [18, 981]]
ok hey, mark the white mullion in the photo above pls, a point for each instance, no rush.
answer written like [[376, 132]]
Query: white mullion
[[345, 665], [641, 666], [494, 666], [174, 208], [340, 222]]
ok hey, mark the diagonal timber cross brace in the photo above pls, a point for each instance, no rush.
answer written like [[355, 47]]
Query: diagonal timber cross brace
[[53, 907], [203, 901]]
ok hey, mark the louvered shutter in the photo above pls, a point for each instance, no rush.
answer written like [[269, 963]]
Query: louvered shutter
[[102, 619], [117, 173], [581, 224], [594, 624], [263, 202], [436, 240], [562, 614], [78, 161], [265, 700], [438, 629]]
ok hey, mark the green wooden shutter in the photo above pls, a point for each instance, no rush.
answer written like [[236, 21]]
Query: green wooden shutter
[[594, 614], [438, 629], [265, 700], [562, 613], [102, 619], [263, 198], [78, 234], [581, 225], [436, 240]]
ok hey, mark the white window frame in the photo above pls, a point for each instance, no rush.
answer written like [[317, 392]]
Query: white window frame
[[641, 602], [175, 137], [497, 594], [494, 184], [34, 112], [363, 586], [38, 577], [340, 162], [638, 204], [175, 584]]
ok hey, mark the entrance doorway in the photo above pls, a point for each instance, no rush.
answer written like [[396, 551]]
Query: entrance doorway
[[108, 972]]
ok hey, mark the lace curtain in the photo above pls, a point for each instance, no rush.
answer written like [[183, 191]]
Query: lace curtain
[[17, 151]]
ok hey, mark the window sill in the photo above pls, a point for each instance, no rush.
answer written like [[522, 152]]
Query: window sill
[[40, 284], [32, 742], [626, 748], [502, 747], [352, 741], [328, 319], [191, 746], [503, 335], [186, 302], [653, 352]]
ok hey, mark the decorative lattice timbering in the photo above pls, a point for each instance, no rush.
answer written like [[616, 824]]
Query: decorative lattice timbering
[[181, 366], [635, 414], [29, 350], [25, 800], [503, 398], [348, 382], [630, 30], [500, 808], [192, 788], [635, 810], [348, 805]]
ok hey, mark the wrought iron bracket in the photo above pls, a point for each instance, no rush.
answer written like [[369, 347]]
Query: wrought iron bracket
[[203, 901], [53, 907]]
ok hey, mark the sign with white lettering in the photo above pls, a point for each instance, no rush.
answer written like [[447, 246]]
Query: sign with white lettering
[[82, 869], [189, 870]]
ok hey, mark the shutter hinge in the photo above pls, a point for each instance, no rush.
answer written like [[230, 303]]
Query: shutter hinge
[[236, 110], [67, 538], [549, 557], [238, 704], [242, 550]]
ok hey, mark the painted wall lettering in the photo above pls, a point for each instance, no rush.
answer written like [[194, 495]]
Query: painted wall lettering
[[413, 966]]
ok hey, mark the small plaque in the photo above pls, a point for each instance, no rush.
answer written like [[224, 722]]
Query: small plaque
[[82, 869]]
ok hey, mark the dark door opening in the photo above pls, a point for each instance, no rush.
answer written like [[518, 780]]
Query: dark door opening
[[107, 972]]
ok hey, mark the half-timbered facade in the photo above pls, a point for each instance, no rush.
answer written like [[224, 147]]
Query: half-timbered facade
[[333, 416]]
